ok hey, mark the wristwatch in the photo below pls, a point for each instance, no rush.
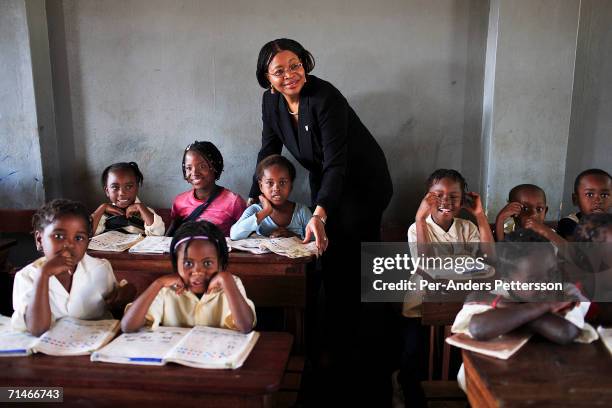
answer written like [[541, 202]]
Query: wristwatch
[[323, 220]]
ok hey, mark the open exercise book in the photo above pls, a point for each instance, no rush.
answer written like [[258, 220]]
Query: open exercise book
[[200, 347], [290, 247], [67, 337], [152, 245], [502, 347], [114, 241]]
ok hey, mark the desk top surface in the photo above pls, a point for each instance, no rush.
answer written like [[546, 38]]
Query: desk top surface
[[545, 374], [261, 373]]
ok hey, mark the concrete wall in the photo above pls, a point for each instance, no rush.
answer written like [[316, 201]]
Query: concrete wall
[[144, 78], [534, 74], [139, 79], [590, 139], [21, 181]]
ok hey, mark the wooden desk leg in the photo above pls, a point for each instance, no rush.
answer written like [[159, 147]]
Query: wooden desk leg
[[294, 323], [432, 351], [446, 354]]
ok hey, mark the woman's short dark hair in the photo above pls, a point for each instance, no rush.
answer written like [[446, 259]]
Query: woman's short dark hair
[[275, 160], [123, 166], [269, 51], [209, 152], [59, 208], [200, 229]]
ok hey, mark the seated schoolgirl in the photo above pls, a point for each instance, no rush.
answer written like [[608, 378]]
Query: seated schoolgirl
[[124, 211], [66, 281], [199, 292], [202, 167], [274, 215]]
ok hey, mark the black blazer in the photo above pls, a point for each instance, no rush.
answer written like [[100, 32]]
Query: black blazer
[[344, 160]]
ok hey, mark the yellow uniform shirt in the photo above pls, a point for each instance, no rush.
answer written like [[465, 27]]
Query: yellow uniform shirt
[[186, 310], [92, 281]]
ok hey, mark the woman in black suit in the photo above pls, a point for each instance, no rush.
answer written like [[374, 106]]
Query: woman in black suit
[[350, 184]]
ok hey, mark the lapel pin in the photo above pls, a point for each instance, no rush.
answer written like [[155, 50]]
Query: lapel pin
[[306, 127]]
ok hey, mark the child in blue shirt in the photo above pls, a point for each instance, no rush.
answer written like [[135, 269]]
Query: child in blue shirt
[[274, 216]]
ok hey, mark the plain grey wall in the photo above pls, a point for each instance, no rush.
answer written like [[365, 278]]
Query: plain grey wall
[[138, 80], [590, 140], [145, 78], [534, 74], [21, 175]]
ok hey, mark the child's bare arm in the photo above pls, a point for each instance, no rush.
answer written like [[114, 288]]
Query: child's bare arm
[[545, 231], [120, 297], [100, 211], [241, 312], [429, 202], [555, 328], [139, 208], [134, 318], [495, 322], [510, 210], [484, 230], [38, 312]]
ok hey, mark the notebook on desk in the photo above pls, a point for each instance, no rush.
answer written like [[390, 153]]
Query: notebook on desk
[[502, 347], [199, 347], [67, 337], [114, 241]]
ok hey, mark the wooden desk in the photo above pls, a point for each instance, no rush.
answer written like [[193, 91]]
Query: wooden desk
[[541, 374], [270, 280], [118, 385]]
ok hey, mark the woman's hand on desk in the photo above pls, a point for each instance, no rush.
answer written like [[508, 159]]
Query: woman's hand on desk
[[316, 227]]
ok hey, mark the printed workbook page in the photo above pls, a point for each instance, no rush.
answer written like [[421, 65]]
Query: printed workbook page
[[143, 347], [14, 343], [209, 347], [74, 337], [113, 241], [152, 245]]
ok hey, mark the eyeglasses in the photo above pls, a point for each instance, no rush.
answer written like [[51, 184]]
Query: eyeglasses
[[279, 73]]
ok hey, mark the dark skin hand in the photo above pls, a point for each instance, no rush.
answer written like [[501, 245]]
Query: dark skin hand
[[537, 316], [38, 312], [512, 209]]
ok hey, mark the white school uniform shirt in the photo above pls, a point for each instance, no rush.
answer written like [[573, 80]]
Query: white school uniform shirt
[[461, 233], [158, 227], [187, 310], [92, 281]]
